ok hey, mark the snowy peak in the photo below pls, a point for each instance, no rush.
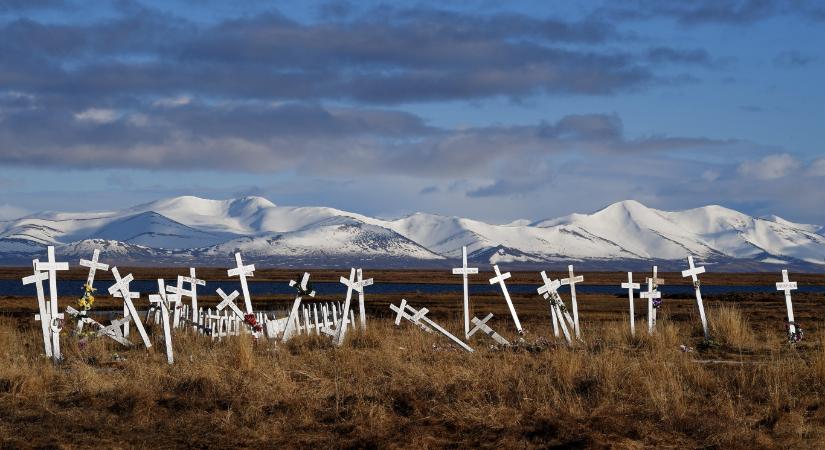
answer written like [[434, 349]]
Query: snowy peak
[[196, 229]]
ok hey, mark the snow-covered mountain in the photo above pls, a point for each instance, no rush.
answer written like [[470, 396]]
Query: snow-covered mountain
[[209, 231]]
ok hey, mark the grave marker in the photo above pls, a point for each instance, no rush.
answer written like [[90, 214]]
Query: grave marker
[[481, 325], [54, 313], [651, 295], [572, 280], [122, 285], [631, 286], [37, 279], [242, 272], [693, 273], [464, 271], [421, 316], [499, 278], [550, 291], [93, 266], [359, 287], [194, 282], [794, 332], [164, 302], [303, 289]]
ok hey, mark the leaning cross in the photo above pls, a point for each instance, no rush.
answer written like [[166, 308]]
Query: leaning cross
[[464, 271], [179, 292], [499, 278], [420, 316], [692, 272], [481, 325], [788, 286], [550, 291], [122, 285], [631, 286], [359, 287], [650, 295], [303, 289], [243, 271], [572, 280], [342, 324], [37, 278], [52, 267], [162, 299], [93, 266]]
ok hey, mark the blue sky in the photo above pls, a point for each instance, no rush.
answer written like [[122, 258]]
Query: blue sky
[[492, 110]]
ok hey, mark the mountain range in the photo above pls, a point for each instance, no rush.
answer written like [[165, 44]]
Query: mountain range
[[625, 235]]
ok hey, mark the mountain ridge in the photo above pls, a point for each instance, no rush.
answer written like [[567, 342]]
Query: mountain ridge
[[624, 233]]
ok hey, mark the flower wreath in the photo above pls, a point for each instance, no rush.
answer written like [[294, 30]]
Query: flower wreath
[[796, 335]]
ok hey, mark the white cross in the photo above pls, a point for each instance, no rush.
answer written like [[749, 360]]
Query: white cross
[[359, 287], [37, 279], [229, 301], [481, 325], [342, 324], [631, 286], [303, 289], [179, 292], [122, 285], [788, 286], [243, 271], [550, 290], [692, 272], [194, 282], [572, 280], [464, 271], [126, 313], [651, 311], [499, 278], [164, 302], [650, 295], [52, 267], [93, 266], [421, 316], [114, 331]]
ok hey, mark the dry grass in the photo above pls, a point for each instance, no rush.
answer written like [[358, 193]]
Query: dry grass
[[400, 387]]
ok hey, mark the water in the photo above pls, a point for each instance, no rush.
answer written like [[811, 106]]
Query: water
[[267, 288]]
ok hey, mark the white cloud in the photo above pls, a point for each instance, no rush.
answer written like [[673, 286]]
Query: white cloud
[[171, 102], [770, 167], [97, 115], [817, 168]]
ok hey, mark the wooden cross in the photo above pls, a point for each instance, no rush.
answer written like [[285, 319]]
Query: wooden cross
[[114, 331], [788, 286], [126, 313], [37, 279], [693, 273], [481, 325], [550, 291], [572, 280], [52, 267], [499, 278], [420, 316], [179, 292], [401, 313], [650, 295], [651, 309], [342, 324], [229, 301], [93, 266], [243, 271], [164, 302], [631, 286], [122, 285], [360, 284], [464, 271], [194, 282], [291, 321]]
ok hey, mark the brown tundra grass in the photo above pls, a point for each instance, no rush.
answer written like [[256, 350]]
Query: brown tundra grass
[[400, 387]]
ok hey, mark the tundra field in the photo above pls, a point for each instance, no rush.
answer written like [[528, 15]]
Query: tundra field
[[401, 387]]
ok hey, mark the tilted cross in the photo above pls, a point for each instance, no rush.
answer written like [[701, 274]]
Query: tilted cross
[[229, 301], [631, 286], [179, 292], [93, 266], [572, 280], [164, 302], [52, 267], [550, 291], [243, 271], [693, 273], [787, 285], [499, 278], [122, 285], [464, 271], [342, 324], [419, 318], [37, 279], [481, 325], [303, 288]]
